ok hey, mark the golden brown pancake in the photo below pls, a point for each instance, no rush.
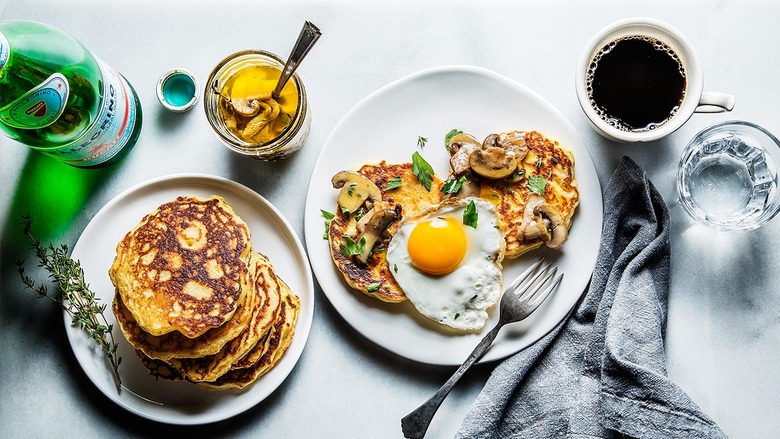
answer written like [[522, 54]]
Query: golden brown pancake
[[263, 356], [412, 197], [273, 348], [184, 267], [549, 160], [211, 367], [254, 313]]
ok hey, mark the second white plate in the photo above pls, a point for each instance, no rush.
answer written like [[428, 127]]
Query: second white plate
[[182, 402], [386, 126]]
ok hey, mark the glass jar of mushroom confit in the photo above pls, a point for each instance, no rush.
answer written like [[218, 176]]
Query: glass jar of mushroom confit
[[245, 115]]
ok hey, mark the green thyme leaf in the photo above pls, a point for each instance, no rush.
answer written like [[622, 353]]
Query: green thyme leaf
[[373, 288], [421, 141], [395, 268], [537, 184], [422, 170], [328, 217], [453, 185], [73, 294], [351, 248], [457, 314], [447, 137], [394, 183], [539, 163], [470, 215]]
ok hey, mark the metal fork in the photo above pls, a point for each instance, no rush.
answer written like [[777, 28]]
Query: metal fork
[[519, 300]]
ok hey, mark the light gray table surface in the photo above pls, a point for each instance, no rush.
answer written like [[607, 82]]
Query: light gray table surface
[[724, 311]]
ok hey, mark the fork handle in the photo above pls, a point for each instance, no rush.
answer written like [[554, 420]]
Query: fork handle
[[415, 424]]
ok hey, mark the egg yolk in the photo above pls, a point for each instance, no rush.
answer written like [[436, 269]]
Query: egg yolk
[[437, 246]]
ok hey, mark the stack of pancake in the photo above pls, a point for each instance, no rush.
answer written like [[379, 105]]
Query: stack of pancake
[[196, 301]]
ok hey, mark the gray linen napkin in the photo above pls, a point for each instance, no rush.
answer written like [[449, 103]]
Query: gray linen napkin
[[601, 373]]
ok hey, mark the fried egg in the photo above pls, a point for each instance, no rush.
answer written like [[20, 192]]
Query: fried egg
[[448, 259]]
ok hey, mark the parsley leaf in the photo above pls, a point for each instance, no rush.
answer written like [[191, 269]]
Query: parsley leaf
[[421, 141], [537, 183], [422, 170], [351, 248], [360, 214], [453, 185], [328, 216], [470, 215], [452, 133], [373, 288], [394, 182]]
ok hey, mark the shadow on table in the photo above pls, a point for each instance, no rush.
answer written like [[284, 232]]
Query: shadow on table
[[270, 179], [54, 195]]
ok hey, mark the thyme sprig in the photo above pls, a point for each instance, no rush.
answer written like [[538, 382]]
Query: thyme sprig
[[74, 295]]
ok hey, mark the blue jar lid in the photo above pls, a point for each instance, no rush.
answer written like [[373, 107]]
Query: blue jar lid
[[177, 90]]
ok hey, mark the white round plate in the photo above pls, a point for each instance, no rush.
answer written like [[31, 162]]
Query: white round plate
[[181, 402], [386, 125]]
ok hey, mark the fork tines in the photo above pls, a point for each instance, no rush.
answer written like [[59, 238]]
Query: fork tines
[[529, 287]]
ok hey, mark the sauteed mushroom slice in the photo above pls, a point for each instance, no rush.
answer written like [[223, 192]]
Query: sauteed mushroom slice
[[376, 225], [557, 228], [514, 143], [542, 220], [491, 140], [461, 146], [377, 206], [470, 188], [492, 162], [356, 189], [533, 226]]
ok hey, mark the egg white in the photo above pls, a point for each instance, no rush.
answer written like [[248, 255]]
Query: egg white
[[459, 299]]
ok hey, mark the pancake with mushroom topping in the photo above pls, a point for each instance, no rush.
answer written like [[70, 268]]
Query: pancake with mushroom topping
[[184, 267], [374, 277], [545, 194]]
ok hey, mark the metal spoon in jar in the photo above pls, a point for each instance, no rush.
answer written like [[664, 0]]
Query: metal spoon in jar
[[306, 39]]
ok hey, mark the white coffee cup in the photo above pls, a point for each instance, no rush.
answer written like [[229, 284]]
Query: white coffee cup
[[695, 100]]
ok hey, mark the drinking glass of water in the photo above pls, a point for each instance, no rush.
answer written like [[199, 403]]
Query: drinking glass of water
[[728, 176]]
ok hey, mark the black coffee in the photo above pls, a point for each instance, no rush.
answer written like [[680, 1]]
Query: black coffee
[[636, 83]]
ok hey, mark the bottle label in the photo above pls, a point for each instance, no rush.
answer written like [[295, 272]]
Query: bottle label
[[39, 107], [4, 51], [112, 128]]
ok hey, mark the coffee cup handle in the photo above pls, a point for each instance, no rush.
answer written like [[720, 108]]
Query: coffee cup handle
[[714, 102]]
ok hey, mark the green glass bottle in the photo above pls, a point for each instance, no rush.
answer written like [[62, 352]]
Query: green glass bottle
[[58, 98]]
